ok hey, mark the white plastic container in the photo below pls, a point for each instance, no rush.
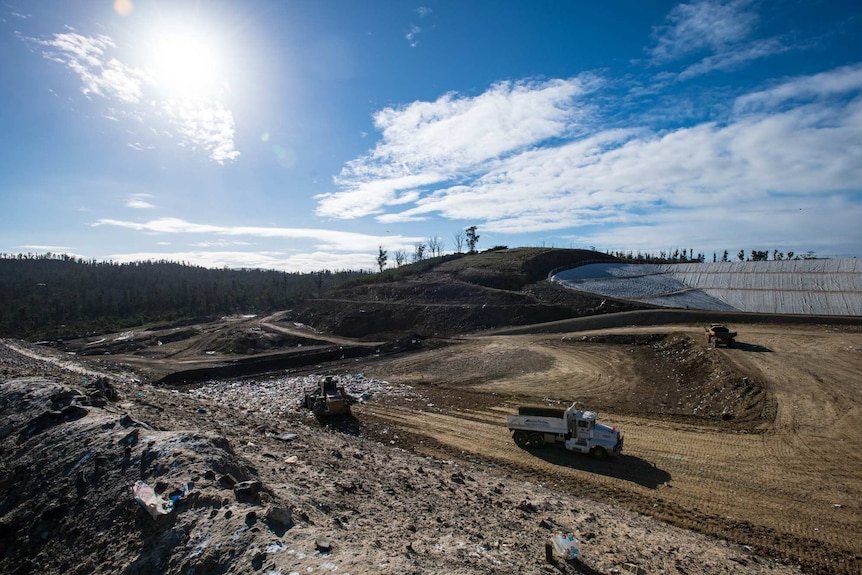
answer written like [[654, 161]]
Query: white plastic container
[[566, 546]]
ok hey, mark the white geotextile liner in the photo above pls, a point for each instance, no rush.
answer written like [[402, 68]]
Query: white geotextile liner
[[820, 287]]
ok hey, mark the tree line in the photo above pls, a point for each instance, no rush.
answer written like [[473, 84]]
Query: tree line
[[688, 256], [433, 247], [54, 296]]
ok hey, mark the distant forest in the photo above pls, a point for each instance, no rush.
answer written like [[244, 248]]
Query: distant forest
[[55, 296]]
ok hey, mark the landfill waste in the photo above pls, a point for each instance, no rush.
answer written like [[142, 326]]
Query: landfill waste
[[154, 503], [279, 395], [566, 545], [181, 494]]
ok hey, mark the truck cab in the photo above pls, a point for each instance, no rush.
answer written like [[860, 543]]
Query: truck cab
[[586, 435]]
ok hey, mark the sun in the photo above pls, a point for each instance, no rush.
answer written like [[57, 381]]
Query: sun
[[185, 64]]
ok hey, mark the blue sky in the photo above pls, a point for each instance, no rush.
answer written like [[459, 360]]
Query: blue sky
[[303, 135]]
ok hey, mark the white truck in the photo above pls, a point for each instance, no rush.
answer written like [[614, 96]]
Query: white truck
[[574, 427]]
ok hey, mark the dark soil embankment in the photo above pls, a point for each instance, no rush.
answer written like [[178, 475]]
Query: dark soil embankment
[[282, 361]]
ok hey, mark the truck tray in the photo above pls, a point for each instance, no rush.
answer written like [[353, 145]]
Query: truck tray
[[541, 411]]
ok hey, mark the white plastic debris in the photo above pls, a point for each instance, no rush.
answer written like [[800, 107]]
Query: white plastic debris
[[154, 503]]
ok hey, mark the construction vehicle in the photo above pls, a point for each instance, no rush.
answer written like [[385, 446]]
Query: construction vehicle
[[718, 334], [328, 398], [576, 428]]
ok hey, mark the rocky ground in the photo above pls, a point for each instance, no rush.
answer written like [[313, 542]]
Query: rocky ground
[[260, 486]]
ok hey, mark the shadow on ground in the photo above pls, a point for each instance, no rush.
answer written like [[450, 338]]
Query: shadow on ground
[[752, 347], [625, 467], [344, 423]]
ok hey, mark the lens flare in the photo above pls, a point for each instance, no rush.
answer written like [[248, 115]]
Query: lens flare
[[123, 7]]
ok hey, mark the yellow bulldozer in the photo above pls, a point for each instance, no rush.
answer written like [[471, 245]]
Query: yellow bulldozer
[[328, 398]]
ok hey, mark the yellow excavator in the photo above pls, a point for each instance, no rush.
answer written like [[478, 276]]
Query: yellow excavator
[[718, 334], [328, 398]]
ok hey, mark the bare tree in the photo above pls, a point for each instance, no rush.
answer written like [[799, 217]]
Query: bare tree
[[400, 257], [419, 252], [435, 246], [458, 238]]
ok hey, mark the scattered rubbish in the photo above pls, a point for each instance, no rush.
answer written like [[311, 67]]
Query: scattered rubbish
[[837, 506], [282, 436], [279, 395], [154, 503], [181, 494], [275, 547], [563, 545], [202, 410], [292, 459], [323, 545]]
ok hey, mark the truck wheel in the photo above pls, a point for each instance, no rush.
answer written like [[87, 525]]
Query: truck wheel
[[599, 453], [521, 439], [537, 440]]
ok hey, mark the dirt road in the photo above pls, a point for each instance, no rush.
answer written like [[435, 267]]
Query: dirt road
[[786, 481]]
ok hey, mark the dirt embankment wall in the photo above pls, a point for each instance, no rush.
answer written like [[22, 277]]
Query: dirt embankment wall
[[670, 316]]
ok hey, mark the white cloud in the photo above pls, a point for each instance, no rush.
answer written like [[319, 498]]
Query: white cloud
[[825, 85], [205, 123], [220, 244], [721, 28], [829, 226], [325, 239], [704, 24], [412, 34], [44, 248], [200, 122], [427, 143], [797, 144], [139, 202], [300, 263], [100, 75], [730, 59]]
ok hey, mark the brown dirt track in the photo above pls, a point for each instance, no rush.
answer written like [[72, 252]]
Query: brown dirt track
[[783, 475]]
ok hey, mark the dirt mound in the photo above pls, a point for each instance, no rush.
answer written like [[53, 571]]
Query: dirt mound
[[67, 470], [679, 377]]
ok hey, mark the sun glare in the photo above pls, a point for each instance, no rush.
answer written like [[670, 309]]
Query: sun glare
[[185, 64]]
